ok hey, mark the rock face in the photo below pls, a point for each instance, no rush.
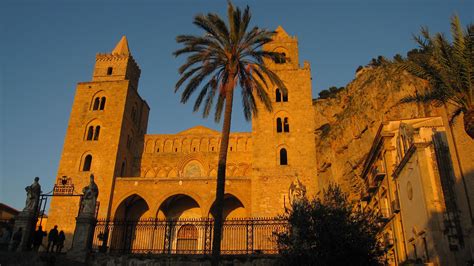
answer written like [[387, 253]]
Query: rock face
[[347, 123]]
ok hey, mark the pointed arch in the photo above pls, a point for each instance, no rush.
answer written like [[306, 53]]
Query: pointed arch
[[179, 205], [150, 173], [233, 207]]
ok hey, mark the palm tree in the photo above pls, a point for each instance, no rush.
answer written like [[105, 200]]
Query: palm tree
[[449, 68], [223, 57]]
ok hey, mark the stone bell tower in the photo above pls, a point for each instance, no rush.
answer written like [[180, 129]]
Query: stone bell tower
[[284, 157], [104, 136]]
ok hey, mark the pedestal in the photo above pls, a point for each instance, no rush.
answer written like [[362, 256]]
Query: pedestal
[[26, 220], [82, 240]]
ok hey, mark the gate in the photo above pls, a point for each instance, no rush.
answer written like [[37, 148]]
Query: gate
[[63, 188]]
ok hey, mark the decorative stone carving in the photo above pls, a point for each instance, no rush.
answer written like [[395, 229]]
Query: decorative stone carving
[[33, 192], [193, 169], [297, 191]]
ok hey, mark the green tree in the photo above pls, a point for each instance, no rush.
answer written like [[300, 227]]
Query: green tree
[[223, 58], [329, 231], [449, 68]]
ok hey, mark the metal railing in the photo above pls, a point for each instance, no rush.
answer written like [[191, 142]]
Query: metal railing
[[188, 236]]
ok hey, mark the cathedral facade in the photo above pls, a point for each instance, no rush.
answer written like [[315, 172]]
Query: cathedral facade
[[173, 176]]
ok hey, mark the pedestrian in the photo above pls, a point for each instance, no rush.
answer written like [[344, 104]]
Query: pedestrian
[[61, 238], [52, 238], [16, 239], [38, 238]]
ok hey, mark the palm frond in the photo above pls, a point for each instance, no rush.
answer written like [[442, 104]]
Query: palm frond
[[223, 49], [455, 114]]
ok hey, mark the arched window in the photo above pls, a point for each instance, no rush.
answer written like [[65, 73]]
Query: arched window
[[286, 125], [278, 95], [90, 133], [187, 239], [283, 157], [102, 103], [279, 125], [96, 133], [281, 59], [122, 169], [87, 163], [285, 97], [96, 104]]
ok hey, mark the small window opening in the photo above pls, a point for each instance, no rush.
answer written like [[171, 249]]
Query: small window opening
[[283, 157], [212, 148], [230, 148], [285, 97], [96, 104], [87, 163], [281, 59], [279, 125], [286, 125], [194, 149], [97, 132], [278, 95], [102, 103], [109, 71], [158, 150], [175, 149], [90, 133]]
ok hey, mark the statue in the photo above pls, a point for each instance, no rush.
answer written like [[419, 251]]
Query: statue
[[297, 191], [89, 199], [32, 196]]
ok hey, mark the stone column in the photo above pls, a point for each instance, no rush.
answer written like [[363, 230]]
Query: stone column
[[26, 220], [83, 234]]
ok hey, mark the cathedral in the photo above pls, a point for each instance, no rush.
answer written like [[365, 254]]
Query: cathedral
[[173, 176], [415, 166]]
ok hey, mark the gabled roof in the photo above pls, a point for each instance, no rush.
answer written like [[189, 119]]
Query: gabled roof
[[199, 130]]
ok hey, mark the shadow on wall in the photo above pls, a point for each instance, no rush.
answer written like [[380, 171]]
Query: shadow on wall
[[447, 237]]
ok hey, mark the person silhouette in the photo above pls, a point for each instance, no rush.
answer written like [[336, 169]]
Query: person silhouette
[[52, 238]]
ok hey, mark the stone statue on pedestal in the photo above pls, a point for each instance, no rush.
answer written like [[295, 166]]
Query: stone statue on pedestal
[[33, 192], [297, 191], [89, 200]]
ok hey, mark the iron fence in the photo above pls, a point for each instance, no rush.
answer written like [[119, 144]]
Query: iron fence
[[188, 236]]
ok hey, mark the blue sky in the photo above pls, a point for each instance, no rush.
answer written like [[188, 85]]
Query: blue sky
[[49, 46]]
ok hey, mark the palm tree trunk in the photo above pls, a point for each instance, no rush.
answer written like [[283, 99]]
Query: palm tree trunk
[[469, 122], [221, 168]]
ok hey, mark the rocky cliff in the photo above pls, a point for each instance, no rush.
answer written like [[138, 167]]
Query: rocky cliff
[[347, 123]]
